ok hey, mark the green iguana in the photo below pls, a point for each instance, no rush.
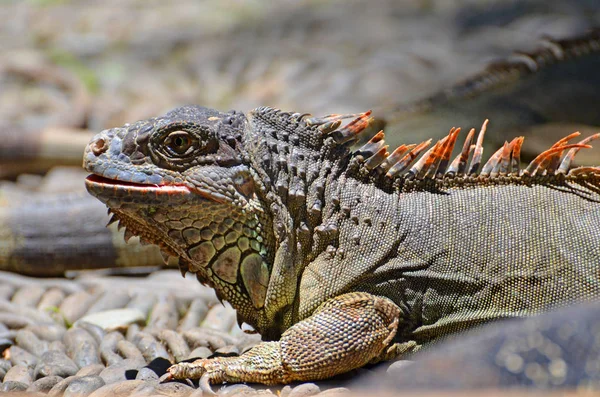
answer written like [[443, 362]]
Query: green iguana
[[337, 257]]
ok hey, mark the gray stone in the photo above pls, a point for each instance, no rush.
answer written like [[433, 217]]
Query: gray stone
[[55, 363], [84, 386]]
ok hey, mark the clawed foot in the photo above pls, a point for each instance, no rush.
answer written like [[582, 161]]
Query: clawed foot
[[195, 370]]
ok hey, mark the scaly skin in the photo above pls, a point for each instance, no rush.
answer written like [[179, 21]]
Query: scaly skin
[[341, 258]]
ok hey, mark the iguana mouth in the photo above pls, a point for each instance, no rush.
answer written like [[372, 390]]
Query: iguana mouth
[[115, 192], [101, 182]]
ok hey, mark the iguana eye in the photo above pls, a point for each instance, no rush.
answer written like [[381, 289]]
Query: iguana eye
[[179, 142]]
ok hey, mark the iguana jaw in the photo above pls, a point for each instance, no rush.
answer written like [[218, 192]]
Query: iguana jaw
[[110, 190]]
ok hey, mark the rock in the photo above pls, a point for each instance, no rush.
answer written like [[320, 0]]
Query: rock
[[92, 369], [147, 375], [129, 350], [82, 347], [28, 296], [19, 373], [111, 320], [200, 352], [12, 386], [150, 347], [220, 317], [124, 388], [76, 305], [55, 363], [108, 348], [84, 386], [20, 356], [175, 343], [30, 342], [116, 373], [48, 332], [109, 301], [59, 389], [45, 384], [174, 389], [194, 315], [304, 390]]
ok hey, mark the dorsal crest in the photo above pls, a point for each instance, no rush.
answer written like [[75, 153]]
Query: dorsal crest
[[374, 161]]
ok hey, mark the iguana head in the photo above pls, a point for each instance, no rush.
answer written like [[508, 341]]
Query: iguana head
[[183, 181], [223, 192]]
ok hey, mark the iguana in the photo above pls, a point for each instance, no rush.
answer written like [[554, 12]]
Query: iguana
[[338, 257]]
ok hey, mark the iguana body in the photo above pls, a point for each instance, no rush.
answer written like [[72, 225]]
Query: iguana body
[[348, 257]]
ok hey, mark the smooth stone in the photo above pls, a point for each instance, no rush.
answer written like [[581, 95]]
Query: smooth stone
[[92, 369], [55, 363], [12, 386], [304, 390], [45, 384], [18, 373], [116, 373], [111, 320], [147, 375], [84, 386]]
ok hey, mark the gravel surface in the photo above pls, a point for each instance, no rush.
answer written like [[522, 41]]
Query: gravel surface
[[100, 335]]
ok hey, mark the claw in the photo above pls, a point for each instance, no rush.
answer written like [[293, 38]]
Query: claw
[[166, 378], [204, 385]]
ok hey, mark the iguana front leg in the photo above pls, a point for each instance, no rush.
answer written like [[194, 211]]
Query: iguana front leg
[[344, 333]]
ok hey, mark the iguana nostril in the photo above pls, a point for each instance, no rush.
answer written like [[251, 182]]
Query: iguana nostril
[[99, 146]]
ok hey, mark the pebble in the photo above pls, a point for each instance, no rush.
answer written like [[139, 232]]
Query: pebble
[[175, 343], [82, 347], [76, 305], [336, 391], [19, 373], [174, 389], [110, 300], [84, 386], [45, 384], [19, 356], [116, 373], [108, 348], [59, 388], [122, 388], [142, 301], [5, 365], [30, 342], [58, 345], [15, 321], [304, 390], [195, 314], [200, 352], [111, 320], [48, 332], [51, 300], [150, 347], [54, 362], [129, 350], [398, 367], [97, 332], [146, 374], [28, 296], [92, 369], [200, 337], [164, 314], [220, 317], [12, 386]]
